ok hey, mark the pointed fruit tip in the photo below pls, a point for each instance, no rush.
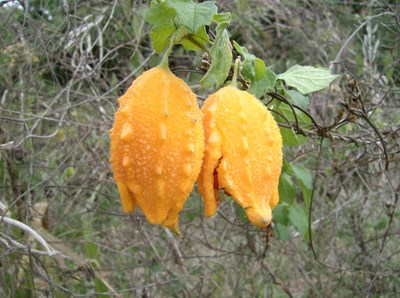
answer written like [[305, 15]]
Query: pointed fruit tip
[[257, 219], [175, 230]]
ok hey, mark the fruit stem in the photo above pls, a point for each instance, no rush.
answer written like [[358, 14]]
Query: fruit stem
[[164, 61], [236, 69], [175, 38]]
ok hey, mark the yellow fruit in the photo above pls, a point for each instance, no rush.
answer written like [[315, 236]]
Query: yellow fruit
[[243, 154], [157, 146]]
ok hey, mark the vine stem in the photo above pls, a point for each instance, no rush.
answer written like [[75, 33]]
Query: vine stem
[[235, 72]]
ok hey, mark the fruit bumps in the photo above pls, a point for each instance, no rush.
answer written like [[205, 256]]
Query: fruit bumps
[[243, 154], [157, 146]]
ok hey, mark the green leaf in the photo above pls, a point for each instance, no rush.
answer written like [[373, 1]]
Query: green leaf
[[298, 98], [303, 174], [195, 42], [254, 70], [289, 138], [161, 36], [160, 14], [299, 219], [221, 59], [271, 79], [222, 17], [259, 69], [281, 214], [69, 172], [307, 79], [267, 82], [306, 194], [282, 231], [304, 177], [193, 15], [281, 221], [287, 189], [289, 113], [243, 51], [248, 62], [239, 48]]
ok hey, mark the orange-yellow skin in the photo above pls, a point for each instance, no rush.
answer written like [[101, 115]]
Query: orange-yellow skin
[[243, 154], [157, 146]]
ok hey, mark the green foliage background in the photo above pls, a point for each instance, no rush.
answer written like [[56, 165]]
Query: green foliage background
[[64, 64]]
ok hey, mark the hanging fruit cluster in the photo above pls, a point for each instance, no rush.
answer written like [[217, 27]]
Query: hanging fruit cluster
[[161, 142]]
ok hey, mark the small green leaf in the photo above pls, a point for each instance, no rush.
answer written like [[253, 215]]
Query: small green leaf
[[244, 52], [221, 59], [222, 17], [160, 14], [239, 49], [289, 138], [259, 69], [299, 219], [161, 36], [193, 15], [307, 79], [69, 172]]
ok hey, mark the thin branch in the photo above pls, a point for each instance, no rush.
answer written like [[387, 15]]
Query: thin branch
[[50, 251]]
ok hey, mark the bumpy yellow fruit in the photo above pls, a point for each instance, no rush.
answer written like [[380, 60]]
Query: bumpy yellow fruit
[[157, 145], [243, 154]]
